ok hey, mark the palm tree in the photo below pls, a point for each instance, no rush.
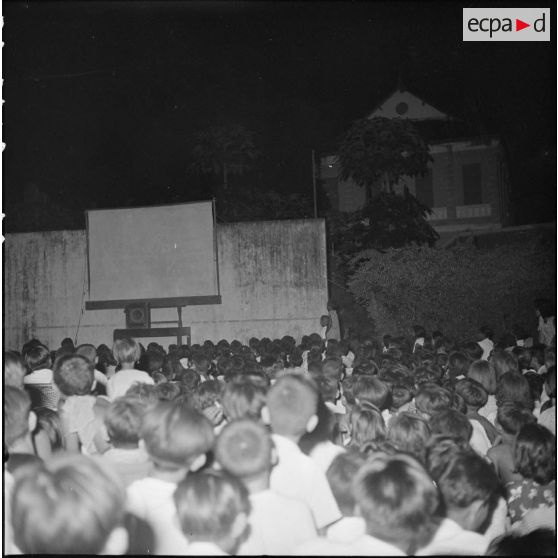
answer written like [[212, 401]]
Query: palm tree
[[223, 151]]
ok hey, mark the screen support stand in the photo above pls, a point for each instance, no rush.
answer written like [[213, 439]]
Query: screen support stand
[[179, 335]]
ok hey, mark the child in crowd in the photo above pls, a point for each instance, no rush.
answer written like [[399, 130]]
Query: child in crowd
[[401, 397], [176, 439], [510, 419], [409, 433], [366, 425], [243, 398], [482, 372], [90, 353], [450, 422], [123, 422], [19, 422], [206, 398], [80, 412], [432, 399], [39, 381], [48, 437], [486, 343], [126, 352], [534, 457], [547, 416], [291, 406], [14, 369], [213, 509], [277, 524], [68, 505]]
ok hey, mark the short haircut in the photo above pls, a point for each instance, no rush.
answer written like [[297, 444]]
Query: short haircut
[[151, 361], [328, 386], [208, 503], [14, 369], [440, 450], [74, 375], [371, 389], [458, 362], [175, 435], [37, 357], [88, 351], [467, 478], [49, 422], [17, 406], [126, 350], [333, 367], [400, 395], [168, 391], [473, 393], [397, 500], [340, 476], [534, 453], [291, 401], [146, 393], [367, 425], [431, 399], [123, 420], [484, 374], [207, 394], [243, 398], [473, 350], [410, 433], [512, 416], [502, 362], [513, 386], [243, 448], [65, 505], [452, 423], [347, 386]]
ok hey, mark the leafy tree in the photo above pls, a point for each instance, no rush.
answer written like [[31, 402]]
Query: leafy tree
[[382, 148], [223, 151]]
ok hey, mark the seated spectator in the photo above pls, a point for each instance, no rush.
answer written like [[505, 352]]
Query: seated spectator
[[277, 524], [90, 353], [401, 397], [291, 406], [48, 437], [243, 398], [14, 369], [534, 456], [68, 505], [80, 412], [39, 381], [482, 372], [366, 424], [206, 398], [432, 399], [510, 420], [19, 422], [512, 386], [213, 509], [470, 491], [452, 423], [126, 352], [176, 439], [123, 422]]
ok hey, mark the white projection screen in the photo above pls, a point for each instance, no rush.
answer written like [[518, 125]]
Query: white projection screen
[[152, 252]]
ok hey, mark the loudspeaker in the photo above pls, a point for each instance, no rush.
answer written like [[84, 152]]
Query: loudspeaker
[[138, 315]]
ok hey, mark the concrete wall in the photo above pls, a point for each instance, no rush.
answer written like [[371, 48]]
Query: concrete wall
[[273, 278]]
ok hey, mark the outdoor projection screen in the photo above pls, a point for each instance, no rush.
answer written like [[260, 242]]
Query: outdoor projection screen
[[152, 252]]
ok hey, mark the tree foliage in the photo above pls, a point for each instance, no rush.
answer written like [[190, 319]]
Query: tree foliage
[[223, 151], [374, 148], [454, 290]]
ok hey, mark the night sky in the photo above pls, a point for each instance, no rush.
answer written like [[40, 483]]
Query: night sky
[[101, 98]]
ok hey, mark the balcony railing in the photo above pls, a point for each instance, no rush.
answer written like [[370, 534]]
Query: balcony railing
[[472, 211], [438, 214]]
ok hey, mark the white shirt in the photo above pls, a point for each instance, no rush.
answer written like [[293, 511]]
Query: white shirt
[[129, 464], [452, 539], [151, 499], [487, 346], [490, 410], [204, 549], [479, 440], [348, 538], [80, 418], [277, 525], [297, 476], [548, 418], [324, 453], [118, 385], [42, 376]]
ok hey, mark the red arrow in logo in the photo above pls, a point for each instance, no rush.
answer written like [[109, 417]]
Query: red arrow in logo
[[519, 25]]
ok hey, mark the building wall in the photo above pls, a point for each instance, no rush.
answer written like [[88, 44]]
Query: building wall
[[273, 279]]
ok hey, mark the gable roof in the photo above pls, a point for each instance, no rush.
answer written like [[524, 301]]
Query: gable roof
[[403, 104]]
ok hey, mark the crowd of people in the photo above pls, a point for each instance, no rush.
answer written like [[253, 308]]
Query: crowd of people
[[404, 445]]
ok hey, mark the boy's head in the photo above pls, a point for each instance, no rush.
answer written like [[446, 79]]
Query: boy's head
[[484, 374], [470, 489], [332, 367], [18, 419], [473, 394], [68, 504], [175, 436], [409, 433], [14, 369], [243, 398], [400, 395], [123, 421], [512, 416], [513, 386], [367, 425], [207, 394], [292, 403], [372, 390], [431, 399], [213, 507], [126, 351], [324, 320], [340, 476], [74, 375], [327, 386], [37, 357], [152, 361], [397, 500], [452, 423], [89, 352], [534, 453], [244, 448]]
